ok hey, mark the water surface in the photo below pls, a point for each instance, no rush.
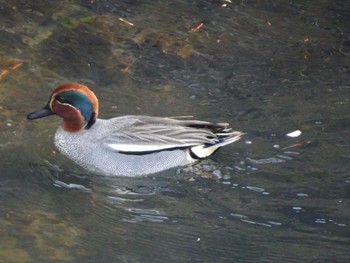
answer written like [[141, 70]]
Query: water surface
[[267, 67]]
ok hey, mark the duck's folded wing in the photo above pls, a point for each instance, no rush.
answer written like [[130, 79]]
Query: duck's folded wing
[[168, 134]]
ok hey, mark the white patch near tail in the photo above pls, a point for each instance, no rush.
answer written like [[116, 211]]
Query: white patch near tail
[[203, 151]]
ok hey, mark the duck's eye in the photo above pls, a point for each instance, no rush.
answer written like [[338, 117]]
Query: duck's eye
[[61, 99]]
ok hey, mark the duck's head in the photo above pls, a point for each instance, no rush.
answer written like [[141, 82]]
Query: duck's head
[[75, 103]]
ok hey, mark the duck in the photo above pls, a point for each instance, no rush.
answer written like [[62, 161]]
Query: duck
[[132, 145]]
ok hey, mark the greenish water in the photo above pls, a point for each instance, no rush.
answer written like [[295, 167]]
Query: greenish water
[[267, 67]]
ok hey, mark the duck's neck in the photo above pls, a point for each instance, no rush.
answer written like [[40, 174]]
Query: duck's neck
[[74, 121], [76, 124]]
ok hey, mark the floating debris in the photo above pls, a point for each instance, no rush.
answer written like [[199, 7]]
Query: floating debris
[[125, 21], [302, 144], [226, 3], [294, 134], [302, 195], [197, 27], [6, 71]]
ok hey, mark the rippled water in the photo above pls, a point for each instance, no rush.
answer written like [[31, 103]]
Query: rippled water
[[268, 67]]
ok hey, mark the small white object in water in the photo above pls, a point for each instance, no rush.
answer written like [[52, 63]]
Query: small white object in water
[[294, 134], [302, 195]]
